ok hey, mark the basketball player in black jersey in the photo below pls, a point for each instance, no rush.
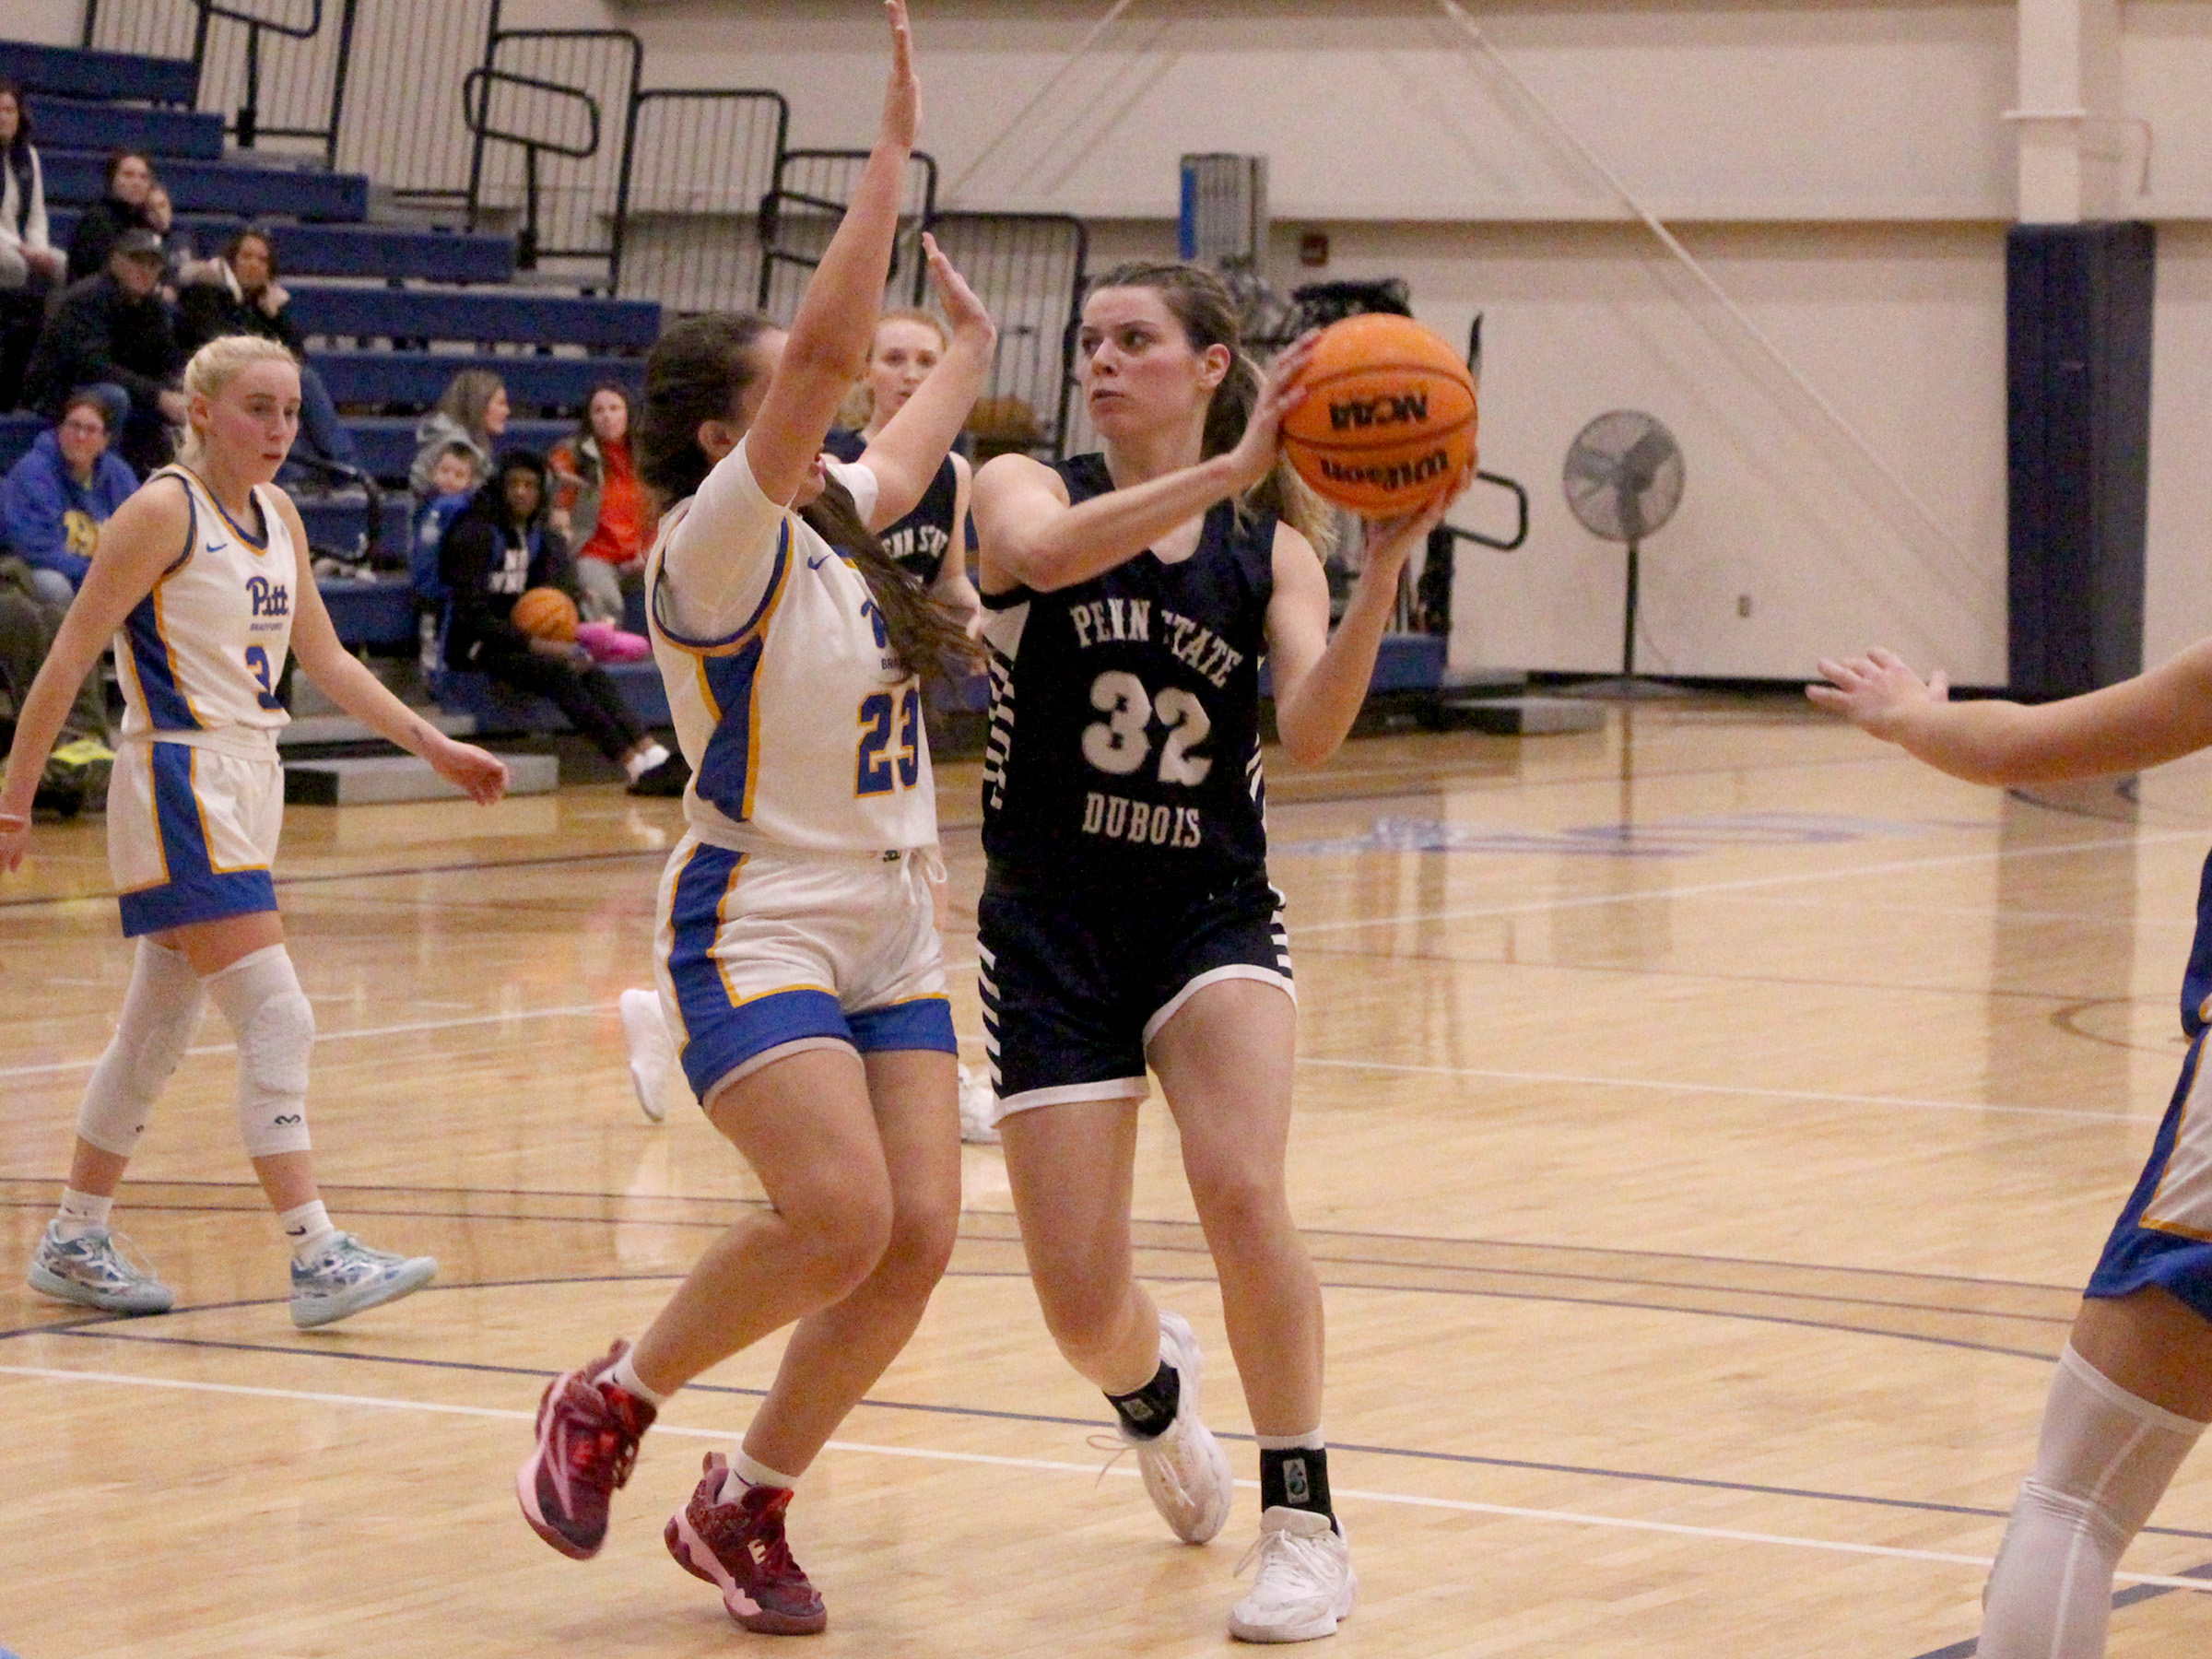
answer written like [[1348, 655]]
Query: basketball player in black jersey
[[1127, 916]]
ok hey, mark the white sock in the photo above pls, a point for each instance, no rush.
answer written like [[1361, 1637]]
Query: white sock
[[2102, 1463], [307, 1228], [745, 1470], [623, 1374], [644, 761], [81, 1213], [1313, 1441]]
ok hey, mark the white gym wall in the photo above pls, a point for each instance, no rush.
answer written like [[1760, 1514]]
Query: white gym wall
[[1843, 170]]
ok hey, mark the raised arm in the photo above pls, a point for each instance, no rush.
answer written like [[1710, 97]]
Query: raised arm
[[906, 455], [2154, 718], [1320, 679], [828, 346], [149, 533], [1030, 536]]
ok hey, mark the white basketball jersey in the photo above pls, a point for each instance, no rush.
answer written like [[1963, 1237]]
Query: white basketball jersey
[[201, 656], [798, 728]]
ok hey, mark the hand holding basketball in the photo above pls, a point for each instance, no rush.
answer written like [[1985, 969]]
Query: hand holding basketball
[[1878, 691], [1388, 424], [1280, 391]]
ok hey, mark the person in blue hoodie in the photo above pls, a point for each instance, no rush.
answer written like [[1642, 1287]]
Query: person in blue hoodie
[[54, 499], [53, 503]]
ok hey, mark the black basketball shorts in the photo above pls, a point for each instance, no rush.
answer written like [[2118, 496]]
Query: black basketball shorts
[[1076, 981]]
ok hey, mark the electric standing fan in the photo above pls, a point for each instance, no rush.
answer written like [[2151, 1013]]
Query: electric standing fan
[[1624, 481]]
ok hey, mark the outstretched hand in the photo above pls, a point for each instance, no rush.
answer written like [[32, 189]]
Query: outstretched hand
[[1390, 541], [902, 97], [1875, 691], [963, 311]]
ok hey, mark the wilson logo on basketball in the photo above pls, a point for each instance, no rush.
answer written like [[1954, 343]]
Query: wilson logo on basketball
[[1387, 410], [1395, 474]]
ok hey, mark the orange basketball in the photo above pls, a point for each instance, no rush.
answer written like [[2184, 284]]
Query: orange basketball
[[1388, 420], [545, 613]]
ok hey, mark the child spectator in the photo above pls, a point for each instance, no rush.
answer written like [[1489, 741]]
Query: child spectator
[[472, 412], [130, 182], [498, 548], [595, 489], [30, 267], [110, 333]]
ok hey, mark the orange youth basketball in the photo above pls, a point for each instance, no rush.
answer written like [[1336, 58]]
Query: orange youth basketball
[[545, 613], [1388, 418]]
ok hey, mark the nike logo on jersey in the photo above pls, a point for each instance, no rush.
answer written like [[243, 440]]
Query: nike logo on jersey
[[818, 561], [215, 546]]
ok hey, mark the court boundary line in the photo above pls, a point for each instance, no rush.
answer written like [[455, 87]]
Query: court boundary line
[[1055, 1466]]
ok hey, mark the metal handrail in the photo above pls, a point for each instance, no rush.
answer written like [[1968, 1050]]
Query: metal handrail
[[624, 182], [1521, 501], [475, 110]]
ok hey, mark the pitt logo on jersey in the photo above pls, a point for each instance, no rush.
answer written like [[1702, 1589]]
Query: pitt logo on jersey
[[268, 598]]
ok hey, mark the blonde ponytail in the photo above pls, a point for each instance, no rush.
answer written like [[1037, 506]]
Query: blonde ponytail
[[215, 365]]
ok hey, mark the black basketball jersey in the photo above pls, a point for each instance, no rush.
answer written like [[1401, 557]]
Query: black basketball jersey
[[920, 539], [1124, 741]]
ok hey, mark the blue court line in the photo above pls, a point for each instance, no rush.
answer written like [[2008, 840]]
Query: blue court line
[[106, 1329]]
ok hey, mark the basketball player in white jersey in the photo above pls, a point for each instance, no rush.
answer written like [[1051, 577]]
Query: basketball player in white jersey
[[202, 580], [1131, 597], [799, 964], [2132, 1392]]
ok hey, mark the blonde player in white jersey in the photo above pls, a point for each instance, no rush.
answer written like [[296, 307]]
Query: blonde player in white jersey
[[799, 965], [203, 582]]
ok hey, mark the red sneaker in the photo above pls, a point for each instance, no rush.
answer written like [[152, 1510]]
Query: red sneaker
[[739, 1548], [587, 1444]]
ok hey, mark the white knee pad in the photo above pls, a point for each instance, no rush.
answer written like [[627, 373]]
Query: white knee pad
[[2104, 1460], [275, 1023], [161, 1010]]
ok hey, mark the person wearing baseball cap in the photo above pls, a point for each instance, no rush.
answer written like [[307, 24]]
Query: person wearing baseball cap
[[111, 332]]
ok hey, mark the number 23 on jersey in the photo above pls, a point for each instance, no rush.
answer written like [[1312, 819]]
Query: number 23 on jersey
[[884, 767]]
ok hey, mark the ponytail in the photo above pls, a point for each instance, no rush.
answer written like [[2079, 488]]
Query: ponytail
[[927, 638]]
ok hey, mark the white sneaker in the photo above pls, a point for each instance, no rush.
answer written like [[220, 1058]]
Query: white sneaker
[[652, 1051], [976, 1104], [1187, 1473], [1305, 1582]]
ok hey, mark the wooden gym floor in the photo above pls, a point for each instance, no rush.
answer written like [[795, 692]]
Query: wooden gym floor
[[1703, 1126]]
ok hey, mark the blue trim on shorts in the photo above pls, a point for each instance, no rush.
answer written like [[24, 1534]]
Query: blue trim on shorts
[[196, 890], [740, 1032], [2137, 1257], [924, 1023]]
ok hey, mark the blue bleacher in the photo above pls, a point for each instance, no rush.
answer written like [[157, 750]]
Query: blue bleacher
[[335, 523], [84, 125], [497, 708], [418, 377], [243, 187], [68, 72], [382, 251], [439, 314]]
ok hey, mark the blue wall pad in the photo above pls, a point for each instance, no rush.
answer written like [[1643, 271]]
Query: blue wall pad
[[70, 73], [2077, 348]]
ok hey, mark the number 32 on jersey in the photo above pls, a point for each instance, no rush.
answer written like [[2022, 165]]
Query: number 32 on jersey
[[883, 767]]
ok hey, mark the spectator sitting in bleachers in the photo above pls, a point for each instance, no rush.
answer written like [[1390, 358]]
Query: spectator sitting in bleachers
[[110, 333], [54, 499], [598, 505], [53, 503], [453, 485], [183, 268], [130, 182], [472, 411], [30, 267], [237, 293], [498, 548]]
